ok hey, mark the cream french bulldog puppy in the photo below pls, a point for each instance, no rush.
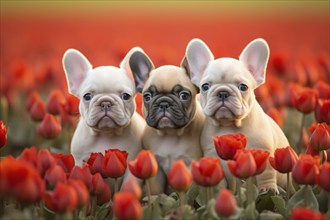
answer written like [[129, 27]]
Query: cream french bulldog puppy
[[107, 107], [227, 97], [174, 117]]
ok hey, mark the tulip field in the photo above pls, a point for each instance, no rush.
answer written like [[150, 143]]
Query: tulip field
[[38, 175]]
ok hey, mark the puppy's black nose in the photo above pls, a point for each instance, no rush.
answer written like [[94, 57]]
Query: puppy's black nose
[[223, 95], [163, 105], [105, 106]]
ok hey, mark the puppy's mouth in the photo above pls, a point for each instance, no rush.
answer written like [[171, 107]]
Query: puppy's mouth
[[169, 118]]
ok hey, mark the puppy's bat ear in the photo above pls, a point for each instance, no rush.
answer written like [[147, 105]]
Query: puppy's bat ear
[[255, 57], [76, 67], [125, 63], [141, 67], [198, 56], [185, 66]]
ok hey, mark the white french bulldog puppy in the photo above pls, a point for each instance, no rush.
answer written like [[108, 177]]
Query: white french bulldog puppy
[[107, 107], [173, 115], [227, 97]]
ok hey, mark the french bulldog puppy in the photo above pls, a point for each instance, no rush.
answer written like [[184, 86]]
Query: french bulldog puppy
[[227, 97], [107, 107], [173, 116]]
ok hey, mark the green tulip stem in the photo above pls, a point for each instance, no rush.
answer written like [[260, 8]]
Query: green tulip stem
[[208, 194], [321, 156], [93, 207], [240, 194], [234, 185], [249, 190], [305, 195], [301, 135], [288, 183], [116, 186], [181, 196], [148, 192]]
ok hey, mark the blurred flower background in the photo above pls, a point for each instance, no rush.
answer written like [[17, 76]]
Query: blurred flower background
[[36, 109]]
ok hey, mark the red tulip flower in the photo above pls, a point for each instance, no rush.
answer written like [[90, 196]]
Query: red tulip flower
[[95, 162], [225, 203], [207, 171], [3, 134], [320, 138], [45, 160], [243, 166], [71, 105], [38, 110], [302, 213], [227, 145], [55, 102], [31, 99], [284, 159], [20, 180], [261, 159], [114, 163], [29, 155], [82, 173], [324, 177], [105, 196], [131, 185], [144, 165], [304, 99], [314, 152], [53, 175], [81, 190], [306, 170], [98, 185], [323, 89], [126, 206], [50, 127], [63, 199], [179, 176], [66, 161], [322, 111]]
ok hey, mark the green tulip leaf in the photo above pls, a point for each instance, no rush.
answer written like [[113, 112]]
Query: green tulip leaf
[[264, 201], [251, 212], [279, 204], [265, 215], [298, 199]]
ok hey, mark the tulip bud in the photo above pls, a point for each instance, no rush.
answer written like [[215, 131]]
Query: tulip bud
[[66, 161], [132, 186], [49, 128], [302, 213], [126, 206], [114, 163], [144, 165], [38, 110], [29, 155], [95, 162], [83, 174], [207, 171], [305, 171], [31, 99], [320, 138], [225, 204], [53, 175], [324, 177], [81, 190], [322, 111], [243, 166], [179, 177], [284, 159], [227, 145], [63, 199], [55, 102], [45, 160], [305, 99], [3, 134]]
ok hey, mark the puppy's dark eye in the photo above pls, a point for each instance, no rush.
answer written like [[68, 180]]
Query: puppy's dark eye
[[243, 87], [88, 96], [147, 97], [184, 96], [125, 96], [205, 87]]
